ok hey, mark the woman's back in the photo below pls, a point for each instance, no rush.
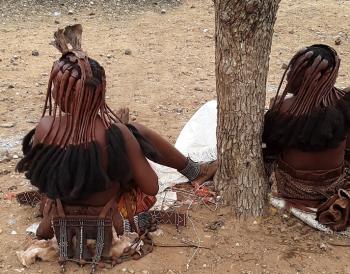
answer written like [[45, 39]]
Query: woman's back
[[324, 159], [59, 128], [142, 174], [316, 160], [93, 199]]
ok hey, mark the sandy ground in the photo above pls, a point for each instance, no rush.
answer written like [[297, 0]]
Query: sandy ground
[[169, 74]]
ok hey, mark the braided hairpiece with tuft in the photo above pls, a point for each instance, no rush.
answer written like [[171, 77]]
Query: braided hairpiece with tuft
[[68, 165], [69, 40], [318, 117]]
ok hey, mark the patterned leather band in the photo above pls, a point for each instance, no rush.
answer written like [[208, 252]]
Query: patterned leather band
[[192, 169]]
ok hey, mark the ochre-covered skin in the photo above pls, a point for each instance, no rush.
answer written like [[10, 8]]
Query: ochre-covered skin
[[83, 154], [315, 160], [80, 146], [310, 128], [307, 133], [143, 175]]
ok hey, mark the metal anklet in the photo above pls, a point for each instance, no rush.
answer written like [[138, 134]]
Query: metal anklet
[[192, 169]]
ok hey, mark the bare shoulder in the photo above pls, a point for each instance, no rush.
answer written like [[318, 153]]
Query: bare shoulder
[[43, 127], [286, 104], [45, 121]]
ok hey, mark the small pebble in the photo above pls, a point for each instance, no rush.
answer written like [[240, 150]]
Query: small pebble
[[130, 270], [35, 53], [337, 41], [198, 89], [70, 12], [323, 246], [57, 22], [11, 86], [283, 229], [145, 272], [299, 269], [127, 52], [163, 11], [23, 183], [284, 66], [109, 56], [15, 156], [11, 222], [7, 125], [13, 232]]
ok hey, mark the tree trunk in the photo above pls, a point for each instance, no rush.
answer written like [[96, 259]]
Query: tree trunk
[[244, 30]]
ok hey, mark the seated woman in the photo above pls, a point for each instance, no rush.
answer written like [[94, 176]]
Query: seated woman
[[82, 154], [307, 132]]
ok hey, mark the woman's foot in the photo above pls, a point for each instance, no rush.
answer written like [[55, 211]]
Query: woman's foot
[[123, 115], [207, 172]]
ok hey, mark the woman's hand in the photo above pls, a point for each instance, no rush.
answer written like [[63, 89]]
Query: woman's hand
[[123, 115]]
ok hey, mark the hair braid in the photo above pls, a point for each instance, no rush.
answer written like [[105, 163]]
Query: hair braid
[[66, 162], [317, 117]]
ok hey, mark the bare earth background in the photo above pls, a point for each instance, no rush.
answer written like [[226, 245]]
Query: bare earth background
[[167, 76]]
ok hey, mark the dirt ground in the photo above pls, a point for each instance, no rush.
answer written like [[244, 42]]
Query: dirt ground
[[167, 76]]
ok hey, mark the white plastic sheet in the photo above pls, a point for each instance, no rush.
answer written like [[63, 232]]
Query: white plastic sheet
[[306, 217], [197, 140], [198, 137]]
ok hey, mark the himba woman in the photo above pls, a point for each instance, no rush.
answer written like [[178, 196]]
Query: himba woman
[[81, 153], [307, 133]]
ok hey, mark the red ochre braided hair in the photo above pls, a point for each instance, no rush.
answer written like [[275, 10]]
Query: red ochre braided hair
[[68, 165], [319, 116]]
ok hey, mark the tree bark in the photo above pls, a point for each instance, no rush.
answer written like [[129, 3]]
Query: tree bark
[[244, 30]]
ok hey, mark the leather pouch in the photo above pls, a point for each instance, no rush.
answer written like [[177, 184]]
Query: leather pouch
[[335, 211]]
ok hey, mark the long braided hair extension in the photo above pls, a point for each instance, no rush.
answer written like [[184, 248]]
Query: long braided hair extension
[[319, 115], [68, 165]]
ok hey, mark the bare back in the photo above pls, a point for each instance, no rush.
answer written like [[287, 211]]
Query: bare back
[[143, 175], [320, 160]]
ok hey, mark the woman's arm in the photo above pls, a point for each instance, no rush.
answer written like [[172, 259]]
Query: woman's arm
[[143, 175]]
